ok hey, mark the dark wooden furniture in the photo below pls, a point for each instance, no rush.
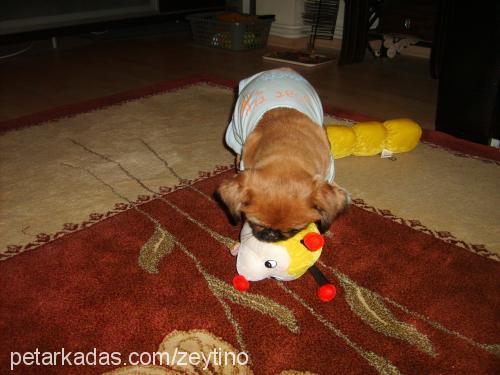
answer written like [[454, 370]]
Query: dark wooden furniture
[[415, 19], [465, 55], [56, 18], [408, 17], [469, 97], [355, 33]]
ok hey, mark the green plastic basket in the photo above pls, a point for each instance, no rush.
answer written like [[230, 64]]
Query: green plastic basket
[[208, 30]]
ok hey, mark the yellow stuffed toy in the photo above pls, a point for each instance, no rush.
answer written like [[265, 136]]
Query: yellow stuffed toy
[[283, 260], [373, 137]]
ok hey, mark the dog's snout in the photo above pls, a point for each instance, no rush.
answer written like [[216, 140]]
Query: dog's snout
[[269, 235]]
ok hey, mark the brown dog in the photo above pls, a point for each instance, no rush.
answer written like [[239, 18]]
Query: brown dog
[[287, 161]]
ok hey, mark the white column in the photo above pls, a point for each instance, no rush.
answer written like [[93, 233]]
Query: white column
[[339, 25], [289, 23], [288, 14]]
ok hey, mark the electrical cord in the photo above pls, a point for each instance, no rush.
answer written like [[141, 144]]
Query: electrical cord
[[17, 52]]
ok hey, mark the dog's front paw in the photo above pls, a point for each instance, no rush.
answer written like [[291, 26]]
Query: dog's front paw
[[235, 249]]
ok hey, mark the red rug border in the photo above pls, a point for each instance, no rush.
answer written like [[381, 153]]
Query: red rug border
[[69, 228], [69, 110], [460, 145], [94, 218]]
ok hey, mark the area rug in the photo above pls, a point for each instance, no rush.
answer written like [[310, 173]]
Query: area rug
[[151, 272], [45, 191]]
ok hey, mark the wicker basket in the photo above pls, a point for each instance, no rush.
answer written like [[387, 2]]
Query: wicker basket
[[215, 30]]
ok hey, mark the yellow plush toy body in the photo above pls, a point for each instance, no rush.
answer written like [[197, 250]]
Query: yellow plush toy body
[[372, 137], [283, 260]]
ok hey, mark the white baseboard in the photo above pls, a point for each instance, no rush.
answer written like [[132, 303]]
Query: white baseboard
[[289, 31]]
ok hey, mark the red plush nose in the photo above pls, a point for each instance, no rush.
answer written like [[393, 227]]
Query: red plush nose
[[314, 241], [241, 283]]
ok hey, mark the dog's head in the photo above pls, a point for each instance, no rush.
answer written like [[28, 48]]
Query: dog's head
[[278, 208]]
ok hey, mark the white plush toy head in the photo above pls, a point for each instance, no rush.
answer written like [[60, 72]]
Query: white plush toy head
[[283, 260]]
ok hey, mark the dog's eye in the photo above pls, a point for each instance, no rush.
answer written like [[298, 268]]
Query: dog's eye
[[270, 264], [256, 226]]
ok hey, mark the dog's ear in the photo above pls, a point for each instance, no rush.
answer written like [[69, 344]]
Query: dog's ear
[[330, 200], [234, 194]]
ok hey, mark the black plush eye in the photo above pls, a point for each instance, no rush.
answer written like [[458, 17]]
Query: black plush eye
[[270, 263]]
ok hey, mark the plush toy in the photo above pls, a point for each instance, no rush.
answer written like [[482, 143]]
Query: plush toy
[[372, 137], [282, 260]]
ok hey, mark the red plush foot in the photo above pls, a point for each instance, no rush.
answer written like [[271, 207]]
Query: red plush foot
[[314, 241], [241, 283], [327, 292]]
